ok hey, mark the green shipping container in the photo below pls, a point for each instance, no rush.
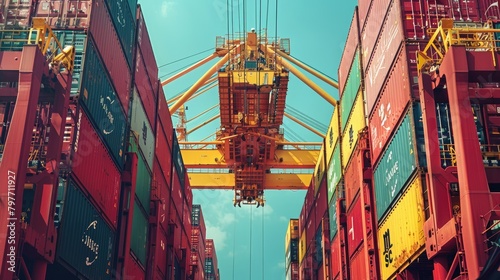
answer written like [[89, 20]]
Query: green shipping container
[[103, 105], [85, 242], [139, 237], [143, 183], [351, 89], [178, 162], [334, 173], [395, 167], [332, 212], [124, 22]]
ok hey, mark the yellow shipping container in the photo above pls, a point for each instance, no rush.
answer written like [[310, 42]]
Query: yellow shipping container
[[319, 170], [401, 235], [292, 232], [302, 246], [355, 124], [332, 135]]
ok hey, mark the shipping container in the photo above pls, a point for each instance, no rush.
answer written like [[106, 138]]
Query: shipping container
[[143, 179], [363, 8], [385, 51], [161, 253], [198, 220], [332, 135], [355, 226], [124, 21], [336, 257], [321, 203], [351, 90], [354, 126], [302, 218], [145, 46], [139, 237], [163, 153], [390, 106], [133, 270], [396, 165], [310, 232], [309, 202], [177, 194], [401, 235], [65, 14], [142, 130], [164, 118], [319, 170], [90, 157], [489, 9], [302, 246], [292, 252], [357, 171], [358, 265], [350, 49], [371, 28], [334, 172], [163, 188], [15, 14], [107, 43], [318, 246], [85, 241], [102, 104], [292, 232], [332, 212], [144, 87], [178, 162]]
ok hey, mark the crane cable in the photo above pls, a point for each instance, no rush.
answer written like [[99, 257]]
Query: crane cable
[[184, 58], [250, 262], [263, 255]]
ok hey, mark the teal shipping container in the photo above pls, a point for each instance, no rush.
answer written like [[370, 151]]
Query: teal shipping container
[[139, 236], [124, 21], [351, 90]]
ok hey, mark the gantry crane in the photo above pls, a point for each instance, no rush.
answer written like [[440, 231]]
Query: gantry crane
[[250, 153]]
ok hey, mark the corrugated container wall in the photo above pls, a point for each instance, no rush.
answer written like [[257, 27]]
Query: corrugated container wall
[[354, 226], [102, 104], [401, 235], [164, 118], [139, 237], [85, 242], [334, 173], [319, 170], [395, 167], [142, 131], [64, 14], [355, 124], [292, 232], [107, 42], [15, 14], [143, 178], [332, 135], [124, 21], [351, 90], [90, 157], [350, 49]]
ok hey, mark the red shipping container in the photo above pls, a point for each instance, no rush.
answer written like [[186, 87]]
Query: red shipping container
[[145, 46], [321, 203], [310, 233], [188, 192], [177, 193], [175, 236], [133, 270], [384, 52], [186, 245], [90, 157], [163, 190], [109, 47], [489, 9], [65, 14], [145, 89], [163, 152], [161, 253], [164, 117], [371, 29], [16, 14], [353, 179], [354, 226], [309, 201], [350, 49], [401, 86], [363, 8], [358, 266], [336, 257]]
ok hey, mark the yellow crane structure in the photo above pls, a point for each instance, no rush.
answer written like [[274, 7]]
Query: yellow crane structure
[[250, 153]]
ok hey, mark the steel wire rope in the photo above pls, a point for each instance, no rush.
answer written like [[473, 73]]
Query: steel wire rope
[[184, 58], [250, 262], [307, 119], [234, 244], [180, 69], [198, 92], [311, 67], [294, 136], [263, 236]]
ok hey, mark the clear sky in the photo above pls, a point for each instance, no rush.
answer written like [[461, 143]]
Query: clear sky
[[317, 30]]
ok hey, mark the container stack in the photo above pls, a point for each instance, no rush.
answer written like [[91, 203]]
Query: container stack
[[292, 250], [198, 238], [211, 265]]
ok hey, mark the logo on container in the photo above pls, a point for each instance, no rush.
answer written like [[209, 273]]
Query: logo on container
[[387, 248], [120, 17], [108, 123], [144, 132], [90, 243]]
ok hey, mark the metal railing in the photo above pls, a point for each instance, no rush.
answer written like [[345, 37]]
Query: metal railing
[[474, 36], [449, 156]]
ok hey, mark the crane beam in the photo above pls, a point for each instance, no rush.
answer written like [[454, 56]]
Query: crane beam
[[306, 80], [305, 125], [317, 74], [226, 181], [211, 158], [189, 69], [200, 82], [283, 143]]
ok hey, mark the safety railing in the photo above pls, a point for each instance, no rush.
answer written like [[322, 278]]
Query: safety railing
[[491, 155], [474, 36]]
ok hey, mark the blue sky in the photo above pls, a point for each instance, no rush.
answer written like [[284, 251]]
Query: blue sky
[[317, 30]]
